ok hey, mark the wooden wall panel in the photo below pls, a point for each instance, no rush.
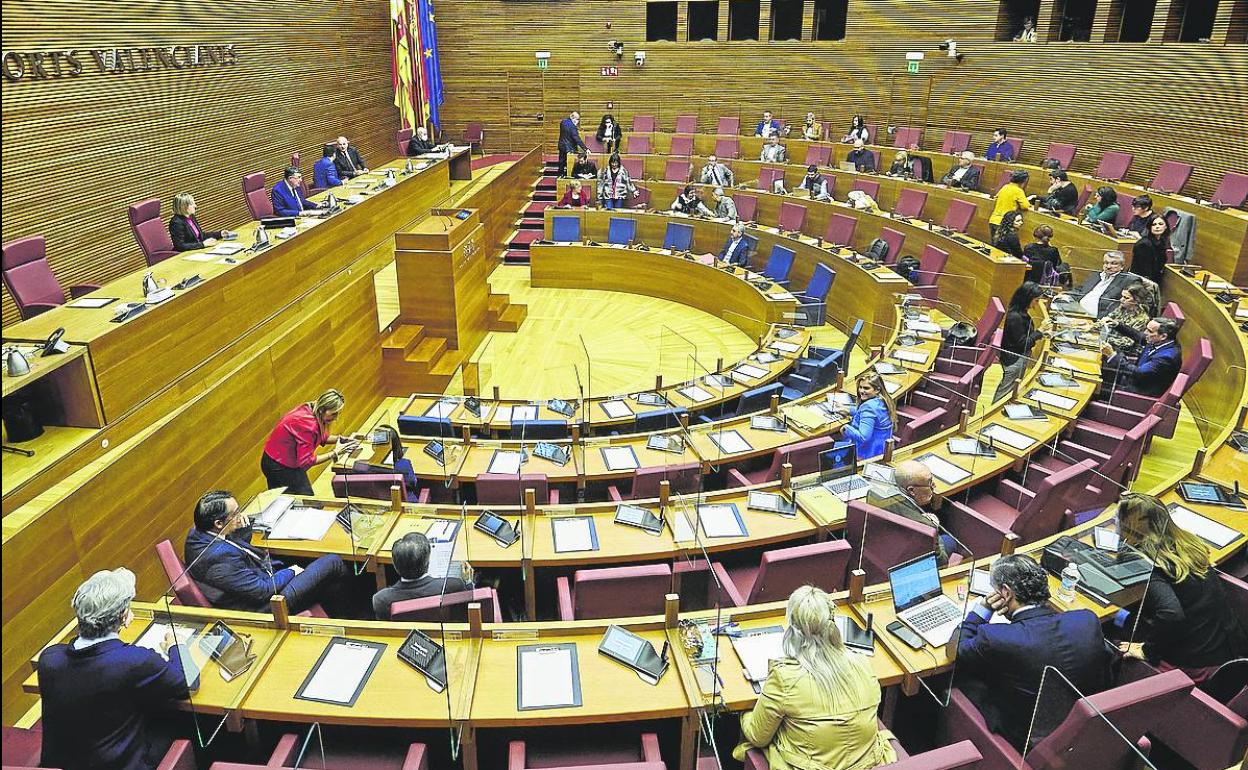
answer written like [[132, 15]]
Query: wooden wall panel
[[78, 150], [1158, 101]]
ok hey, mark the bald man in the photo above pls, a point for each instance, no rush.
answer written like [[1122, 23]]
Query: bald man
[[348, 160], [916, 491]]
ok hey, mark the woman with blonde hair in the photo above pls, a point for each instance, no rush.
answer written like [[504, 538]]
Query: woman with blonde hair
[[184, 229], [901, 164], [1185, 618], [292, 446], [817, 708], [872, 419]]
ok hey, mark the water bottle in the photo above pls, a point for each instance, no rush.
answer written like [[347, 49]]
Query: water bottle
[[1070, 578]]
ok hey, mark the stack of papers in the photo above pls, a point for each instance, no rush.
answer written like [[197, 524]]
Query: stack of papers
[[505, 462], [753, 372], [548, 677], [730, 442], [944, 470], [574, 533], [784, 347], [1011, 438], [1052, 399], [1214, 533], [616, 410], [303, 524], [620, 458], [441, 409], [523, 413], [721, 520], [227, 249], [913, 356], [694, 393], [757, 649]]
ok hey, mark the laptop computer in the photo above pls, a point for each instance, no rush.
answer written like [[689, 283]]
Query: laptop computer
[[919, 602]]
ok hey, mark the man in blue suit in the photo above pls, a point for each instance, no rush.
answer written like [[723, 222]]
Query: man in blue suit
[[235, 575], [324, 172], [569, 140], [767, 127], [288, 198], [99, 692], [1153, 372], [1006, 668], [737, 250]]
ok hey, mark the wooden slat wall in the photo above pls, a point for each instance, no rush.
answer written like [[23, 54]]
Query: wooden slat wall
[[1158, 101], [77, 151]]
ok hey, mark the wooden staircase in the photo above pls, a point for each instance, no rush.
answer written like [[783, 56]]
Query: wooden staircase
[[503, 316], [416, 362]]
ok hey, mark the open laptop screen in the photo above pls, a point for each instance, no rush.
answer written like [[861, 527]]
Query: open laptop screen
[[914, 581]]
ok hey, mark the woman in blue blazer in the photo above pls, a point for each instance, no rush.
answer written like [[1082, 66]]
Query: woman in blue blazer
[[871, 419]]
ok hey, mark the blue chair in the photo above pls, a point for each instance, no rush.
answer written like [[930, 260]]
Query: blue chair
[[779, 263], [419, 425], [813, 299], [538, 429], [750, 401], [621, 231], [659, 419], [679, 237], [815, 353], [810, 376], [565, 228]]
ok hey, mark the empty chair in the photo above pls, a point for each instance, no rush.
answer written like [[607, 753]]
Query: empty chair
[[587, 754], [814, 297], [819, 155], [679, 237], [1064, 154], [811, 374], [621, 230], [869, 186], [803, 456], [644, 124], [883, 539], [783, 570], [895, 241], [659, 419], [931, 265], [452, 607], [872, 129], [779, 263], [925, 424], [1232, 191], [401, 138], [747, 206], [474, 136], [1113, 166], [30, 279], [538, 429], [989, 321], [905, 136], [958, 215], [422, 425], [1115, 468], [637, 144], [614, 592], [959, 756], [955, 142], [186, 591], [910, 203], [508, 489], [259, 205], [338, 754], [792, 217], [636, 168], [728, 148], [1171, 176], [686, 124], [767, 178], [682, 146], [1172, 310], [682, 479], [373, 486], [952, 363], [150, 231], [565, 228], [677, 171], [592, 144], [840, 230], [642, 199], [756, 399], [729, 126]]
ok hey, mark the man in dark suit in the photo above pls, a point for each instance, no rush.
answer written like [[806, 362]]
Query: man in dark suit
[[862, 158], [965, 175], [569, 140], [1006, 669], [1099, 293], [737, 249], [288, 198], [411, 560], [348, 160], [99, 692], [913, 497], [235, 575], [1157, 365], [419, 144]]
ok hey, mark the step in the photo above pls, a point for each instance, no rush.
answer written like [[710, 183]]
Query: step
[[547, 183], [523, 238], [423, 357], [545, 196], [532, 223], [538, 208], [400, 342], [510, 319], [498, 303], [516, 257], [448, 364]]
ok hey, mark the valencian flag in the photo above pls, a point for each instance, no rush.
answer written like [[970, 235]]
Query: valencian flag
[[406, 78], [417, 78]]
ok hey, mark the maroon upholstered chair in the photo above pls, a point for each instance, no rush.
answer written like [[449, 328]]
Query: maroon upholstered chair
[[30, 280], [1002, 179], [783, 570], [1101, 421], [259, 204], [923, 424], [677, 171], [186, 591], [1083, 198], [1090, 736], [819, 155], [1232, 190], [1017, 144], [1115, 467], [1172, 310], [895, 241], [747, 206], [960, 756], [1194, 365], [682, 146], [955, 142], [682, 479], [905, 136], [840, 230], [686, 124], [150, 231], [636, 168], [953, 363], [644, 124], [295, 158], [1064, 154], [614, 592], [1222, 739], [339, 755], [1171, 176], [374, 486], [910, 203], [872, 130], [474, 136], [869, 186], [767, 177], [792, 217], [637, 144], [728, 127], [507, 489], [587, 753], [642, 199], [984, 519], [1113, 166], [592, 144], [1124, 210], [890, 539], [958, 215], [452, 607], [803, 455], [728, 148], [401, 138], [23, 749], [931, 265]]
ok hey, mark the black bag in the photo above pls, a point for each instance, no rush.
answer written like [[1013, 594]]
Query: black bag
[[907, 267], [878, 250], [961, 334]]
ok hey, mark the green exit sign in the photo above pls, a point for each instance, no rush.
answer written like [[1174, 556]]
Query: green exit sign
[[912, 67]]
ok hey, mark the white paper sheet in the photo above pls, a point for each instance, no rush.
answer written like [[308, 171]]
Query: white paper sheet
[[227, 249], [923, 327], [694, 393], [440, 557], [505, 462], [1052, 399], [756, 653], [523, 413], [91, 302], [573, 534], [153, 637], [341, 672], [913, 356], [205, 256], [616, 409], [892, 386], [1219, 535], [781, 295], [1011, 438], [944, 470], [720, 521], [619, 458], [753, 372], [440, 530], [546, 678], [303, 524], [441, 409], [501, 414], [730, 442], [783, 347]]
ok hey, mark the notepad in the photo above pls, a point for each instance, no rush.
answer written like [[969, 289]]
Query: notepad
[[1212, 532], [1052, 399], [757, 649], [92, 302], [694, 393], [441, 409], [303, 524], [721, 520], [784, 347], [519, 413], [574, 533], [505, 462], [753, 372], [718, 381], [342, 671], [620, 458], [227, 249], [730, 441], [1011, 438], [913, 356], [943, 469], [1024, 412], [548, 677], [153, 637], [771, 502], [616, 409]]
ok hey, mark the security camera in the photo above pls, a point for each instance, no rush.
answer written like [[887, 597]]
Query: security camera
[[617, 48], [640, 58]]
